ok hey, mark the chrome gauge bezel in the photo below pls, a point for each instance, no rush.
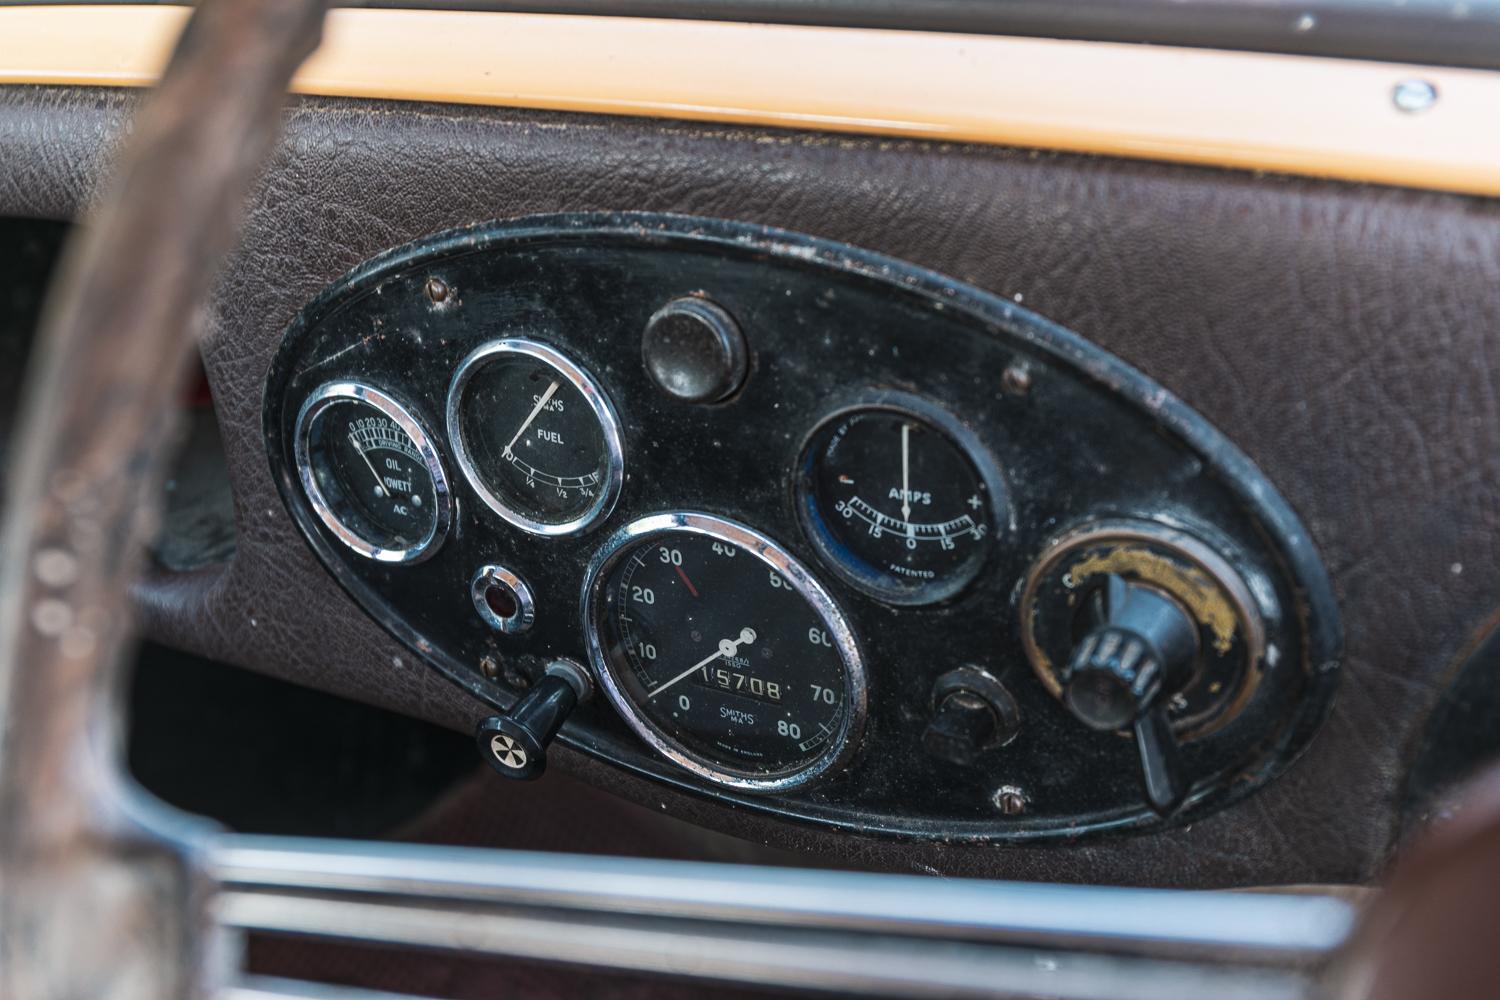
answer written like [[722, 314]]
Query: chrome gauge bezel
[[332, 393], [814, 522], [613, 476], [641, 532]]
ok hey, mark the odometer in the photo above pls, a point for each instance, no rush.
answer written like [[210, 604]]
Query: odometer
[[723, 653]]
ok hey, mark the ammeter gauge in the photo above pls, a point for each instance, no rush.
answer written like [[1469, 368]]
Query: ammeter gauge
[[898, 502], [371, 474]]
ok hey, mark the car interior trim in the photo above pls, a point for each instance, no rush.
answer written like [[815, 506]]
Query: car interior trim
[[850, 932], [1392, 123], [1243, 926], [1423, 31]]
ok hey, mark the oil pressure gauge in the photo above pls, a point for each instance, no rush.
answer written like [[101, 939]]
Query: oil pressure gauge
[[899, 500], [371, 473], [536, 437]]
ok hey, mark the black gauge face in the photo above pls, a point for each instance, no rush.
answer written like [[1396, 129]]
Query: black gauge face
[[732, 664], [362, 463], [536, 437], [896, 505]]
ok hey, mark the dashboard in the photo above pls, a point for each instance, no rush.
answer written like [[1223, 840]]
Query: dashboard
[[805, 529], [1330, 386]]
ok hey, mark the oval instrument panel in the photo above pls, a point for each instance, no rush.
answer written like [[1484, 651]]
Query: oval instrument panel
[[975, 513]]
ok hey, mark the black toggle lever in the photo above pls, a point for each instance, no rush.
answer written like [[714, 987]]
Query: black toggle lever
[[515, 744], [1125, 671]]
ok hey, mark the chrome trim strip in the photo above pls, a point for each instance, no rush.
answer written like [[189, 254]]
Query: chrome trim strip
[[1262, 928], [804, 583], [847, 964], [338, 392], [275, 988], [613, 476]]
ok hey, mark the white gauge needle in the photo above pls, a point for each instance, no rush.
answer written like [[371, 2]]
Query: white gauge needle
[[531, 416], [379, 483], [906, 477], [727, 647]]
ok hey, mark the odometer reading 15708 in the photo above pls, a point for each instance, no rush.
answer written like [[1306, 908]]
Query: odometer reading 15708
[[722, 652]]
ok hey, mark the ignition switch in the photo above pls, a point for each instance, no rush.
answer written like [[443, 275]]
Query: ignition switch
[[1123, 673], [1143, 629]]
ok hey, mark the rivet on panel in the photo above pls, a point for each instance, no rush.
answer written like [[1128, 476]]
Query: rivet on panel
[[1016, 380]]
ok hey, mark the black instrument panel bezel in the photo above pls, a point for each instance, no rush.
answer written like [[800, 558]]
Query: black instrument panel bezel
[[749, 269]]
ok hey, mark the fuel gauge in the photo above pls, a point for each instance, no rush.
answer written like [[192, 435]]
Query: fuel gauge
[[899, 501], [371, 474], [536, 437]]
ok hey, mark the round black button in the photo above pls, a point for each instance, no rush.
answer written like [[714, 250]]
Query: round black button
[[694, 351]]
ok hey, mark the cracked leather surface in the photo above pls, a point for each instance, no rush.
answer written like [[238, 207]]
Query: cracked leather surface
[[1343, 335]]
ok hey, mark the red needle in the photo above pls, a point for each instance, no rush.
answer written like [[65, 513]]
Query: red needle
[[691, 589]]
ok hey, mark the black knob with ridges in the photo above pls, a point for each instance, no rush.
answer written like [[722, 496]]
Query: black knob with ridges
[[1123, 673]]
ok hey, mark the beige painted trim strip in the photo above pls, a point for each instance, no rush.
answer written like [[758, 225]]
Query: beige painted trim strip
[[1323, 117]]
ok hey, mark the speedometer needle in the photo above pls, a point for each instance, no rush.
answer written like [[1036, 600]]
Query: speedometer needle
[[727, 647], [530, 417]]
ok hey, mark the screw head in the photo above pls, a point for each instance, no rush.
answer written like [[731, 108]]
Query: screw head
[[1011, 800], [490, 666], [1016, 380], [438, 290], [1414, 96]]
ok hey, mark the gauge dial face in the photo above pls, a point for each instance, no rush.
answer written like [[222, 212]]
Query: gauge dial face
[[536, 437], [896, 504], [723, 653], [370, 473]]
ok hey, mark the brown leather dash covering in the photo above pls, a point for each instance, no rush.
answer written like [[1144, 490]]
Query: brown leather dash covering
[[1345, 336]]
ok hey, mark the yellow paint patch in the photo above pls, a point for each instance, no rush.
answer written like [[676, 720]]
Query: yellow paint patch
[[1192, 587]]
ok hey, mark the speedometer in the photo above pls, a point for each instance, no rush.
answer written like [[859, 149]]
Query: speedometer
[[722, 652]]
